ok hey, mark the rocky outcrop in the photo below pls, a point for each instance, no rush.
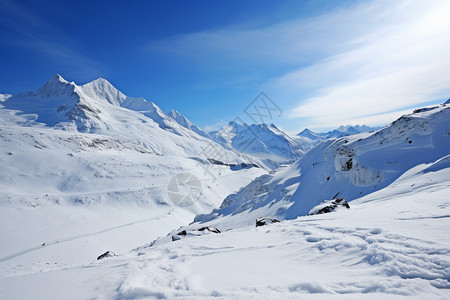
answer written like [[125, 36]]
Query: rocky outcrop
[[329, 206], [106, 255], [265, 221]]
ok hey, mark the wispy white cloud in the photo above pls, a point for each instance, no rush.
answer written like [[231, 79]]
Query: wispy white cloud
[[391, 68], [216, 126], [293, 41], [362, 63]]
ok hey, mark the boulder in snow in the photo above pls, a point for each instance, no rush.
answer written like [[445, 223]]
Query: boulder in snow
[[182, 233], [106, 254], [328, 206], [265, 221], [210, 229]]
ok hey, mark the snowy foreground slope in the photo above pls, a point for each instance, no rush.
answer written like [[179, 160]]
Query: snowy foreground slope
[[391, 243]]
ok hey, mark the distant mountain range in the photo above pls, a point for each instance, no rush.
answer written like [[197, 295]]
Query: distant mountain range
[[336, 133]]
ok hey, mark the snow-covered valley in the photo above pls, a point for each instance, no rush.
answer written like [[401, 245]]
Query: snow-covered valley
[[390, 243], [86, 169]]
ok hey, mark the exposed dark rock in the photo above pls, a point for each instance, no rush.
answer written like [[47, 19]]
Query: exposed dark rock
[[215, 161], [328, 206], [210, 229], [106, 254], [265, 221], [182, 233], [424, 109], [242, 165], [349, 163]]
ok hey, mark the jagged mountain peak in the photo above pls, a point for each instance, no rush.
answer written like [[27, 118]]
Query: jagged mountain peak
[[55, 86], [181, 119], [101, 80], [309, 134], [101, 83], [265, 126], [57, 78], [174, 113]]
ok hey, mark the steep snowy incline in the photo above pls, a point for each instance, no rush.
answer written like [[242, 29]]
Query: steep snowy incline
[[183, 121], [349, 167]]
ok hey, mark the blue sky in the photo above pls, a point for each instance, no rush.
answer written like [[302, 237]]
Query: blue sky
[[324, 63]]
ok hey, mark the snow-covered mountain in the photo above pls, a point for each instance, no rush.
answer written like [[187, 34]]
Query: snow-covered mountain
[[348, 167], [95, 107], [266, 142], [98, 107]]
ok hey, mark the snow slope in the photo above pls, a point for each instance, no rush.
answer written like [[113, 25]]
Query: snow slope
[[390, 244], [349, 167]]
